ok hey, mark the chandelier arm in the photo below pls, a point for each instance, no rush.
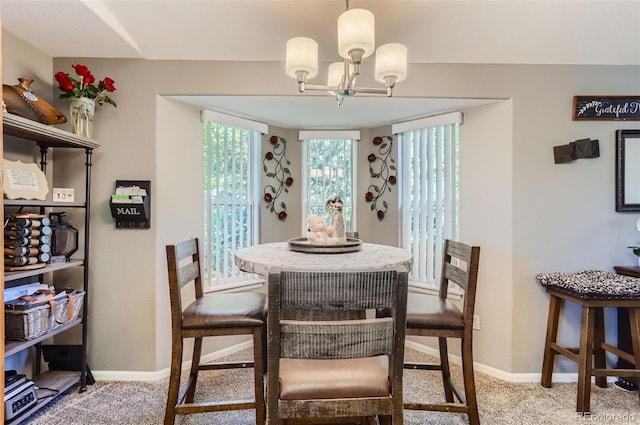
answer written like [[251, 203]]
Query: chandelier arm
[[317, 87], [388, 91], [352, 76]]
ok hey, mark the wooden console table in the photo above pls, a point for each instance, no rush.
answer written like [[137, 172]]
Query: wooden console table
[[624, 334]]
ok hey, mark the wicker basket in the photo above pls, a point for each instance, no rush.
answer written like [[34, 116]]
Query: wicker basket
[[23, 325]]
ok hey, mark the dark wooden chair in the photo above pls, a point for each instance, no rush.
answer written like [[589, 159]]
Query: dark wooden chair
[[209, 315], [322, 363], [437, 316]]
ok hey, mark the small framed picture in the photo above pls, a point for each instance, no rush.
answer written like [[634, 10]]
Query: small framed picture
[[24, 181]]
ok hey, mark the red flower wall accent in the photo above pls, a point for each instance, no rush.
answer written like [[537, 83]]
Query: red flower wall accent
[[275, 165], [381, 166]]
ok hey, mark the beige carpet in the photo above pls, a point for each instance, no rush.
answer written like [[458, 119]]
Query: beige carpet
[[142, 403]]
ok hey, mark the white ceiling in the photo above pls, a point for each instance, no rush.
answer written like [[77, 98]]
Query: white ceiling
[[435, 31]]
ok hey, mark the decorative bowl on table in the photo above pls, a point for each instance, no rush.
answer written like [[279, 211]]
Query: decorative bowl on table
[[302, 244]]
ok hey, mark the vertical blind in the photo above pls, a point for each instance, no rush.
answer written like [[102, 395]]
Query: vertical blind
[[430, 189], [230, 193]]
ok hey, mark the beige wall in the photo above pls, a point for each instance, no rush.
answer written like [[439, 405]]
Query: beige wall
[[528, 214]]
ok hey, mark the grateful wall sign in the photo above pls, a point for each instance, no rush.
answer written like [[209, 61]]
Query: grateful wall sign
[[611, 108]]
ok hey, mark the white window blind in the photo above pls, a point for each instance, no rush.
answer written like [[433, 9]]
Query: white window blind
[[429, 193], [329, 171], [230, 189]]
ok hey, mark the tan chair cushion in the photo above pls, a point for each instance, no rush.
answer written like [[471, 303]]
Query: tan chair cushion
[[345, 378], [225, 310], [429, 311]]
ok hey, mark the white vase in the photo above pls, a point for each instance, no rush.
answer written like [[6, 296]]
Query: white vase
[[82, 110]]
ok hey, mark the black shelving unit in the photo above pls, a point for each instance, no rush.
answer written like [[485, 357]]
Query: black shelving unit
[[47, 137]]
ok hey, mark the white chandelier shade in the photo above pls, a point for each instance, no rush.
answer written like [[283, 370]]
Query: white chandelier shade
[[356, 32], [302, 56], [356, 41], [336, 71], [391, 61]]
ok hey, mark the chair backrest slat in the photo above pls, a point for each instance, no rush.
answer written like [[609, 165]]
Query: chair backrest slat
[[187, 273], [323, 303], [183, 267], [452, 272], [456, 275], [336, 339], [307, 290]]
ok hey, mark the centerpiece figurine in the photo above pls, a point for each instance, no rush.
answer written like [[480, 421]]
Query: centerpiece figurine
[[321, 233]]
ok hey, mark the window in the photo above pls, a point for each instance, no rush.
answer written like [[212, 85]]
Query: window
[[231, 190], [430, 188], [329, 172]]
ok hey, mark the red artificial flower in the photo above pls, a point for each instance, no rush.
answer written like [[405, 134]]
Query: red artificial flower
[[377, 140], [368, 196], [107, 84], [371, 157], [268, 197], [81, 70], [288, 181], [282, 215], [380, 214], [392, 180], [273, 140], [84, 86], [269, 156], [63, 81]]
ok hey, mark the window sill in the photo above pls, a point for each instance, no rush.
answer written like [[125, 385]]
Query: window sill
[[421, 288], [240, 285]]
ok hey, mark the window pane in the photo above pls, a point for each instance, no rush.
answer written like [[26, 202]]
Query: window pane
[[329, 173], [229, 196]]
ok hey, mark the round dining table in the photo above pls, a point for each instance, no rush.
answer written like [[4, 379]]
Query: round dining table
[[261, 258]]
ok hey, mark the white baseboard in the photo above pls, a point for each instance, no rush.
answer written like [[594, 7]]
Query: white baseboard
[[114, 375], [496, 373], [108, 375]]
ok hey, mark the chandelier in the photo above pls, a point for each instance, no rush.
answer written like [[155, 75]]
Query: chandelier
[[356, 41]]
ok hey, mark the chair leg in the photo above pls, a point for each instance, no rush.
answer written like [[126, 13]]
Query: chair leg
[[634, 326], [585, 359], [446, 373], [195, 365], [555, 304], [599, 354], [174, 383], [469, 381], [258, 373]]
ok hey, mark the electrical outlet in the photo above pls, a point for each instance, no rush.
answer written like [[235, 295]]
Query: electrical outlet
[[476, 322], [63, 194]]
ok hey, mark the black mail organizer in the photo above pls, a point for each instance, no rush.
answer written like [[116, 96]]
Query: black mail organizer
[[131, 204]]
